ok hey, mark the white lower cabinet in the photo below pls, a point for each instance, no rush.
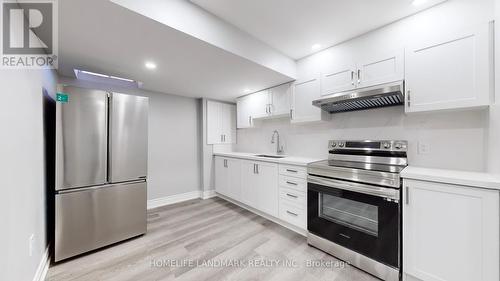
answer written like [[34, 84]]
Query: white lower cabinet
[[227, 177], [450, 232], [293, 195], [276, 190], [258, 183]]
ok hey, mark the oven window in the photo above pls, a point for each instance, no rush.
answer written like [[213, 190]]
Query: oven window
[[356, 215]]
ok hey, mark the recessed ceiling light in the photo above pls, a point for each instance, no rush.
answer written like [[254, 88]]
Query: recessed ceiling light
[[316, 47], [150, 65], [418, 2]]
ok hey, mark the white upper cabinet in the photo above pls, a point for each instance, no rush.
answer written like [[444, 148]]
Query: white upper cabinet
[[274, 102], [449, 71], [244, 115], [380, 68], [371, 69], [280, 100], [259, 104], [221, 123], [338, 78], [303, 93], [450, 232]]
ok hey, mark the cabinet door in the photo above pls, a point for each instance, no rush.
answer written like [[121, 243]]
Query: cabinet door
[[267, 186], [214, 122], [228, 121], [303, 93], [260, 104], [450, 232], [221, 176], [449, 72], [338, 78], [234, 178], [280, 100], [380, 68], [249, 184], [244, 109]]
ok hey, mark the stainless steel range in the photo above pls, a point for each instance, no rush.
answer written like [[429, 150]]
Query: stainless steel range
[[353, 204]]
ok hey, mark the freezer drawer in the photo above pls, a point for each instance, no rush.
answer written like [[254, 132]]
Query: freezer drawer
[[128, 137], [81, 138], [94, 217]]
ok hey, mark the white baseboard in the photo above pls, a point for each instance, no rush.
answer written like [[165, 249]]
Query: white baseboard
[[172, 199], [43, 267], [208, 194]]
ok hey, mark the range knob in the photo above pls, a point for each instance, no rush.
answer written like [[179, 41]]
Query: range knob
[[341, 144], [387, 145], [398, 145], [334, 144]]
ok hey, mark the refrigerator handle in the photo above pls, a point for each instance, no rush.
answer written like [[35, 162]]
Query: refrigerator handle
[[108, 135]]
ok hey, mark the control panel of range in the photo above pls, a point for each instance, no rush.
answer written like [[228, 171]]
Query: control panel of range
[[384, 145]]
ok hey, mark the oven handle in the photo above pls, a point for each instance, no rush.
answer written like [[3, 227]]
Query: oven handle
[[356, 187]]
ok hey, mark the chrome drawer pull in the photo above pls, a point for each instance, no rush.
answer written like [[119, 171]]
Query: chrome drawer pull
[[292, 171], [291, 195], [292, 183], [293, 214]]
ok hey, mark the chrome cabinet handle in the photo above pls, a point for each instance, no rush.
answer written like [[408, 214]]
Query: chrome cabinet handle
[[352, 77], [291, 113], [292, 183], [408, 97], [291, 195], [291, 171], [407, 195], [291, 213], [250, 120], [257, 168], [254, 169], [359, 76]]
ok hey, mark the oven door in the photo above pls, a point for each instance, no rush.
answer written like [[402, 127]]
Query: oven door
[[362, 218]]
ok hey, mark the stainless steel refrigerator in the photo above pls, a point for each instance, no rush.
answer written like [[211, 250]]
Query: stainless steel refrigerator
[[101, 169]]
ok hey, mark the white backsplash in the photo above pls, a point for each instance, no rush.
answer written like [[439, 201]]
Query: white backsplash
[[456, 140]]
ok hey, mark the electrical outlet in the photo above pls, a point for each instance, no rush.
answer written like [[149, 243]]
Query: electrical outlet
[[424, 147], [31, 243]]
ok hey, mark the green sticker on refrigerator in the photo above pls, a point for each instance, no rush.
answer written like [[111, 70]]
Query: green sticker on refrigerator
[[62, 97]]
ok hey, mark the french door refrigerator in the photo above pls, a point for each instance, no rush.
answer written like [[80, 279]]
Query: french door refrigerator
[[101, 169]]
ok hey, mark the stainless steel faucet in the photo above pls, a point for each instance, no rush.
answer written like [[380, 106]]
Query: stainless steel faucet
[[279, 148]]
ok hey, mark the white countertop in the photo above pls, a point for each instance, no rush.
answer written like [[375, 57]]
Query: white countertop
[[474, 179], [290, 160]]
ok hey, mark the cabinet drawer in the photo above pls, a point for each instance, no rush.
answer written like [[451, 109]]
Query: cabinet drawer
[[293, 183], [293, 171], [292, 214], [293, 196]]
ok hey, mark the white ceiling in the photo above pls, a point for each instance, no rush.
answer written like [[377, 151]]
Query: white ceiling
[[293, 26], [100, 36]]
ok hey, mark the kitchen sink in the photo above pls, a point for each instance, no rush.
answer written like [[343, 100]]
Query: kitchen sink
[[270, 156]]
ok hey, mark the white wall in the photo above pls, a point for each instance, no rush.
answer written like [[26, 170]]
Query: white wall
[[458, 139], [447, 133], [22, 203], [174, 152]]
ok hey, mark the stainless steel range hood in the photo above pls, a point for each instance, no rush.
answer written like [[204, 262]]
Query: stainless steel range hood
[[364, 98]]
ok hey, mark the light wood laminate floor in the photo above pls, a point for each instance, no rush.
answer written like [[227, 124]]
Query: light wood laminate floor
[[184, 238]]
